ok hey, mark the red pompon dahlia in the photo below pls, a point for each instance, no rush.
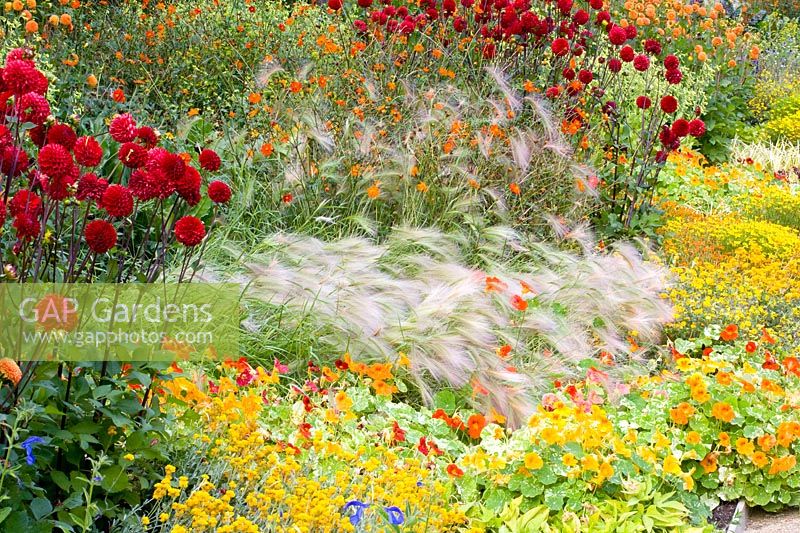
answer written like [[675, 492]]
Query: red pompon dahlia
[[209, 160], [580, 17], [171, 165], [20, 54], [697, 128], [190, 231], [673, 75], [26, 226], [88, 152], [25, 201], [5, 137], [147, 136], [13, 161], [617, 35], [38, 135], [219, 192], [596, 4], [132, 155], [671, 62], [2, 212], [20, 77], [122, 128], [627, 53], [565, 6], [60, 188], [100, 235], [641, 62], [643, 102], [560, 46], [90, 187], [33, 107], [336, 5], [117, 201], [55, 161], [614, 65], [142, 186], [62, 134], [680, 128], [188, 186], [669, 104], [585, 76]]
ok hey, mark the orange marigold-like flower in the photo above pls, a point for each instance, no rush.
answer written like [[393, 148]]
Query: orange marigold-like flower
[[730, 333], [10, 371], [476, 423], [723, 411]]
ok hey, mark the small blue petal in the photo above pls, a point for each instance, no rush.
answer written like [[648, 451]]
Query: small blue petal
[[358, 514], [396, 516]]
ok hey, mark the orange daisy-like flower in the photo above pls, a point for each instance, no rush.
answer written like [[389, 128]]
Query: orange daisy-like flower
[[9, 370]]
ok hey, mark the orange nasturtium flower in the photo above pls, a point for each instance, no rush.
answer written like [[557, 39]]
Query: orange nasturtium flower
[[475, 425], [723, 411]]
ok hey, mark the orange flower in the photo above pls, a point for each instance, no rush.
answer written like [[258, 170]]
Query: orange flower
[[767, 442], [724, 378], [723, 411], [296, 87], [730, 333], [374, 190], [475, 424], [454, 471], [514, 188], [693, 437], [9, 370], [118, 95], [266, 149], [519, 303], [782, 464], [760, 459], [745, 447], [724, 439], [709, 463], [254, 98], [681, 413]]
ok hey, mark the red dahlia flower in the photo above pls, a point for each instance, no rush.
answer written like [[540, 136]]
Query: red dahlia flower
[[88, 152], [62, 134], [673, 76], [641, 62], [55, 161], [614, 65], [617, 35], [188, 186], [33, 107], [560, 46], [680, 128], [336, 5], [13, 161], [219, 192], [117, 201], [147, 136], [627, 54], [669, 104], [90, 187], [697, 128], [671, 62], [190, 231], [132, 155], [100, 235], [123, 128], [26, 226], [209, 160], [643, 102]]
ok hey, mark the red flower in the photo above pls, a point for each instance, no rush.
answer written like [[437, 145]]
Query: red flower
[[669, 104], [770, 363], [652, 46], [13, 161], [2, 212], [750, 347], [55, 161], [287, 198], [792, 365], [100, 236], [428, 446], [454, 471], [123, 128], [565, 6], [26, 226], [117, 201], [172, 165], [188, 186], [33, 107], [336, 5], [190, 231], [63, 135], [58, 188], [209, 160], [132, 155], [398, 434], [560, 46], [88, 152], [5, 136], [90, 187], [627, 54], [641, 62], [596, 4], [680, 128], [585, 76], [614, 65], [697, 128], [643, 102], [671, 62], [519, 303], [25, 201], [617, 35], [147, 136], [580, 17], [673, 76], [219, 192], [19, 76]]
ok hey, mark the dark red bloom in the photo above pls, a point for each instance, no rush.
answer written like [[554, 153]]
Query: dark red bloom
[[90, 187], [190, 231], [13, 161], [596, 4], [219, 192], [669, 104], [209, 160], [627, 54], [55, 161], [62, 134], [560, 46], [117, 201], [643, 102], [585, 76], [336, 5], [33, 107], [147, 136], [20, 76], [680, 128], [25, 201], [697, 128], [641, 62], [88, 152], [671, 62], [673, 76], [580, 17], [652, 46], [188, 186], [614, 65], [123, 128], [26, 226], [132, 155], [100, 235], [2, 212], [5, 136], [60, 187], [617, 35]]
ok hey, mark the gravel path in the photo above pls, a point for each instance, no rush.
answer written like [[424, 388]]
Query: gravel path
[[783, 522]]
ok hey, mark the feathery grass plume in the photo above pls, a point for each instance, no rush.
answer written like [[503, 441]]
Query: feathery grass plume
[[777, 156], [413, 293]]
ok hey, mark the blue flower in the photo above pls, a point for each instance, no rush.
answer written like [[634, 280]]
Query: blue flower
[[395, 515], [28, 445], [358, 514]]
